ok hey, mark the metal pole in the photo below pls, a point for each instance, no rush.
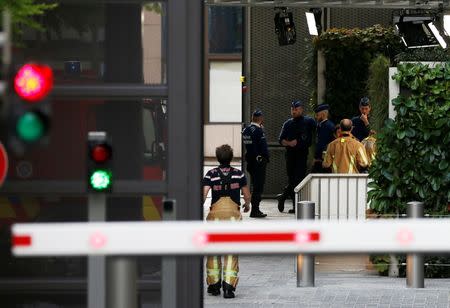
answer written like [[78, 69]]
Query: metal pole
[[6, 38], [121, 282], [169, 265], [415, 261], [5, 42], [305, 263], [96, 264]]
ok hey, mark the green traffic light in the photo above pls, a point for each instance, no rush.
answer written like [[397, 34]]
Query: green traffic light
[[30, 127], [100, 179]]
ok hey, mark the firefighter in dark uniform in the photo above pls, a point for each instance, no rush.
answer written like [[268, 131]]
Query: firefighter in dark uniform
[[296, 137], [325, 134], [225, 183], [257, 157], [361, 125]]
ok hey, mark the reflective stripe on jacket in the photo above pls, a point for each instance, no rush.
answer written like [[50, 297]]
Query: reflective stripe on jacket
[[345, 155]]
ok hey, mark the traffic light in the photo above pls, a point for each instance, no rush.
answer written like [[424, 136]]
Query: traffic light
[[30, 108], [99, 163]]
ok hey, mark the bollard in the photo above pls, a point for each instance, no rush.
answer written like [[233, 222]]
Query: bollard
[[121, 281], [305, 263], [415, 261]]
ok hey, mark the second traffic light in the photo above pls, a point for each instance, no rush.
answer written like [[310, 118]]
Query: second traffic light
[[99, 163]]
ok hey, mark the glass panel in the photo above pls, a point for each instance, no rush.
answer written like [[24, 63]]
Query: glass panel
[[225, 29], [100, 43], [138, 130]]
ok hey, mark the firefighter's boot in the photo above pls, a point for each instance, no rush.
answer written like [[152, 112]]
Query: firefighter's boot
[[214, 289], [228, 290]]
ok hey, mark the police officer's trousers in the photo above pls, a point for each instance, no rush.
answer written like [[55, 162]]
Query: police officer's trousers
[[257, 171], [296, 170], [223, 209]]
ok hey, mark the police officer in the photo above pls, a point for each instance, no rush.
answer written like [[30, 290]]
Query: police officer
[[325, 134], [296, 137], [361, 125], [257, 157]]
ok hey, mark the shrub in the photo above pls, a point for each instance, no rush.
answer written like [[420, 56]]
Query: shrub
[[378, 91], [413, 159], [348, 53]]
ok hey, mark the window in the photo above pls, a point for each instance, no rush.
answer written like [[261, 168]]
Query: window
[[225, 91], [225, 29]]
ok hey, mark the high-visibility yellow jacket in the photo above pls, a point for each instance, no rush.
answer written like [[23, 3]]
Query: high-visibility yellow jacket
[[369, 144], [345, 155]]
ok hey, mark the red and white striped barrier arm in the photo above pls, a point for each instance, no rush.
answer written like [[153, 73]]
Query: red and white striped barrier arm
[[204, 238]]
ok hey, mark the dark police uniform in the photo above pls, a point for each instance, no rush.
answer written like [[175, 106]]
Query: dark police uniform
[[360, 130], [325, 134], [256, 156], [301, 129]]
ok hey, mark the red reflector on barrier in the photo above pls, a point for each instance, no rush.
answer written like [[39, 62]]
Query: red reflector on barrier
[[21, 240], [262, 237]]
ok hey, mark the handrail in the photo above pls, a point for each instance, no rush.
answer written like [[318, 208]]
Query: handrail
[[307, 179]]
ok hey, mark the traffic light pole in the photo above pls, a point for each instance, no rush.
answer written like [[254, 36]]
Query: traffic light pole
[[111, 281], [96, 264], [5, 43]]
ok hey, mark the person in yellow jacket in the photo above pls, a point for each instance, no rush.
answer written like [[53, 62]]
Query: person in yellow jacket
[[226, 183], [370, 146], [345, 154]]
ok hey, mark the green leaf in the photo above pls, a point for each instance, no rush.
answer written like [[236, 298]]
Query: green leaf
[[391, 190], [435, 184], [410, 132], [401, 134], [443, 165], [441, 122], [387, 175]]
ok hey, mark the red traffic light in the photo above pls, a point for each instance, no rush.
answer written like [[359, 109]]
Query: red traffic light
[[33, 82], [101, 153]]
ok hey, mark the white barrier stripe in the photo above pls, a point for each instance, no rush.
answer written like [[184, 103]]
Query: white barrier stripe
[[201, 238]]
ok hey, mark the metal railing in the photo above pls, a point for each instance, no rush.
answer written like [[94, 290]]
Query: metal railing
[[336, 196]]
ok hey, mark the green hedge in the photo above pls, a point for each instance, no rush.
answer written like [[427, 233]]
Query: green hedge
[[348, 54], [413, 158]]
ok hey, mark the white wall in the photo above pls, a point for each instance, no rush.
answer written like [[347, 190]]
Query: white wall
[[218, 134], [225, 94]]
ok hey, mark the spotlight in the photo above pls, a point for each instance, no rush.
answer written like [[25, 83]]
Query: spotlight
[[314, 21], [415, 31], [446, 19], [285, 27], [437, 35]]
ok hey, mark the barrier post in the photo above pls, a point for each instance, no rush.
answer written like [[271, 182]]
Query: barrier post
[[305, 262], [415, 261]]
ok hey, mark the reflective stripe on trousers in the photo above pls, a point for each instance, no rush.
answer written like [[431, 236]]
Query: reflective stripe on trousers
[[223, 209]]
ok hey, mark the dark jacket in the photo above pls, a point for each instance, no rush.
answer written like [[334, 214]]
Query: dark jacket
[[255, 143], [325, 135], [301, 129], [360, 130]]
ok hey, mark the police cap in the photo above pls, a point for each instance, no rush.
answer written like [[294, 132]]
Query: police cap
[[322, 107], [257, 113], [365, 101], [296, 104]]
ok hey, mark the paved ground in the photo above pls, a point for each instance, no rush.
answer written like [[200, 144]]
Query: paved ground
[[270, 281]]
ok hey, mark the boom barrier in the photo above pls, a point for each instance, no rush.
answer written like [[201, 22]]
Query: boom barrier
[[206, 238]]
